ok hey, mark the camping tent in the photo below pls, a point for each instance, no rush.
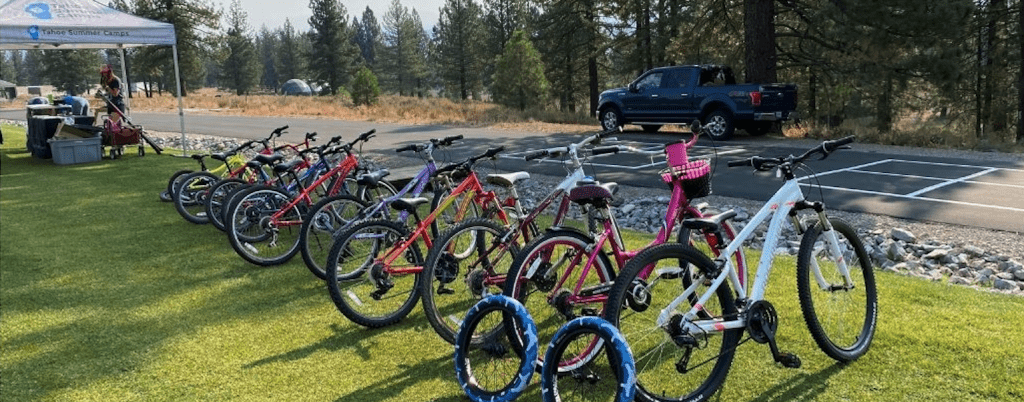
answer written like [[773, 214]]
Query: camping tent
[[83, 24]]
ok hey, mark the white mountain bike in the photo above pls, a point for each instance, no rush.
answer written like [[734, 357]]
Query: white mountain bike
[[686, 319]]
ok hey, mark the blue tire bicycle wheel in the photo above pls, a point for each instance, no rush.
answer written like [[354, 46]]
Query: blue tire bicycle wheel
[[497, 369], [612, 378]]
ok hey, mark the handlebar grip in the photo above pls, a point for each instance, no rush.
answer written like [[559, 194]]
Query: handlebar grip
[[605, 150], [367, 135], [406, 148], [279, 130], [494, 151], [449, 140], [311, 136], [833, 145], [536, 155], [744, 162]]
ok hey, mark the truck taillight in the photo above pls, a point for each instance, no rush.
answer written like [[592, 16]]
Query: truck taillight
[[755, 98]]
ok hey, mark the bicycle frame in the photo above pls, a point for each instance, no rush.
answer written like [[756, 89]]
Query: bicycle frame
[[476, 195], [779, 207], [341, 170]]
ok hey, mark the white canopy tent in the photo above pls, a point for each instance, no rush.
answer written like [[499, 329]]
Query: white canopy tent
[[83, 24]]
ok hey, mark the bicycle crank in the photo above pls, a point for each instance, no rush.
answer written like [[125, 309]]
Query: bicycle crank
[[762, 325]]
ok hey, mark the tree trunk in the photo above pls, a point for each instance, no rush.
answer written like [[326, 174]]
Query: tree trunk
[[759, 38], [1020, 76]]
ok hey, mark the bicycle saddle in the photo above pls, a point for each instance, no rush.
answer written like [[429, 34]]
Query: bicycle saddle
[[287, 166], [711, 223], [590, 192], [507, 180], [409, 204], [373, 178]]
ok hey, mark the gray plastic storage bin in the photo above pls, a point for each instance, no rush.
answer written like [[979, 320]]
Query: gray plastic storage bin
[[79, 150]]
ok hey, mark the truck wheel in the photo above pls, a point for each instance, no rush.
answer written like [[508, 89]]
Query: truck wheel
[[610, 119], [720, 126], [651, 128]]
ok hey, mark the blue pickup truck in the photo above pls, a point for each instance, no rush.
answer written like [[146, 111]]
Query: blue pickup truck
[[681, 94]]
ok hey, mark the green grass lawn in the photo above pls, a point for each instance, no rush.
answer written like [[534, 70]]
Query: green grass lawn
[[107, 294]]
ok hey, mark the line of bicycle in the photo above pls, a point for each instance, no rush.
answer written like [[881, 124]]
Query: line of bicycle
[[515, 296]]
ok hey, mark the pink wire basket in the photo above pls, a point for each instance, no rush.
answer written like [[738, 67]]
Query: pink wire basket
[[695, 175]]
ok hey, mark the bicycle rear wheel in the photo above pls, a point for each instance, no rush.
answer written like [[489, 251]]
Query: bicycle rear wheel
[[190, 198], [665, 370], [172, 183], [362, 287], [497, 369], [544, 277], [842, 318], [612, 378], [326, 219], [451, 285], [256, 234]]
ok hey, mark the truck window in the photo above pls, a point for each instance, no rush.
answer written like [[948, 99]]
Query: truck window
[[678, 79], [650, 82]]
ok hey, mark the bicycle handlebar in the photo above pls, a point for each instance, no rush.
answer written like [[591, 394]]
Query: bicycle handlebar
[[605, 150], [468, 163], [826, 148], [437, 142], [536, 155]]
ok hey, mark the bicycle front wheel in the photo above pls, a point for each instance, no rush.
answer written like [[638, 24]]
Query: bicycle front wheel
[[262, 228], [841, 316], [612, 378], [451, 284], [545, 277], [497, 369], [218, 195], [327, 218], [364, 288], [666, 369]]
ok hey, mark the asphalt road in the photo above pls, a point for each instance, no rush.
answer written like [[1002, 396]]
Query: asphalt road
[[947, 190]]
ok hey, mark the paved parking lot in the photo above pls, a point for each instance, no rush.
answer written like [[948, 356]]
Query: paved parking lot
[[928, 188]]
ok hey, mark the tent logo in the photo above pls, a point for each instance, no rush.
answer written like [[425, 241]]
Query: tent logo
[[39, 10], [33, 31]]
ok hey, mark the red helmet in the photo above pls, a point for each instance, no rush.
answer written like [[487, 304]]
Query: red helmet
[[105, 70]]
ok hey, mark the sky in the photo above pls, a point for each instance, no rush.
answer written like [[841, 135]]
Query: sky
[[272, 13]]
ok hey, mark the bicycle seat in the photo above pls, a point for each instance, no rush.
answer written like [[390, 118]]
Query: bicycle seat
[[507, 180], [711, 223], [372, 179], [262, 159], [409, 204], [198, 157], [287, 166], [590, 192], [223, 157]]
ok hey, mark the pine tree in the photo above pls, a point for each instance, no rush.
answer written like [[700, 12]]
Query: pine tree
[[191, 18], [365, 90], [458, 40], [291, 60], [240, 69], [402, 60], [368, 37], [519, 75], [334, 55], [268, 44], [70, 70]]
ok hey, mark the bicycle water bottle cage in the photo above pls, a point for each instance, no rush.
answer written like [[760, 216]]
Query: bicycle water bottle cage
[[597, 194], [507, 180], [372, 179], [408, 204]]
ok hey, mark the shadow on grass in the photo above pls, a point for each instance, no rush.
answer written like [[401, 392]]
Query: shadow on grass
[[342, 338], [392, 386], [803, 387]]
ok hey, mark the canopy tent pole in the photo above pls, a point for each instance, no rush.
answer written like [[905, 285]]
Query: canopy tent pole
[[181, 107], [124, 84]]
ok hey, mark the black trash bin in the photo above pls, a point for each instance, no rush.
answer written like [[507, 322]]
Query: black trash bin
[[40, 129]]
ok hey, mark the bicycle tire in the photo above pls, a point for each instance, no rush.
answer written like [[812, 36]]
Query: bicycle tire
[[189, 199], [215, 200], [450, 286], [322, 223], [485, 372], [545, 307], [172, 183], [654, 350], [586, 382], [230, 199], [253, 232], [362, 290], [827, 312]]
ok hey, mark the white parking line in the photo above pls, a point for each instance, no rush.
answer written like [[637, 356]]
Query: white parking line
[[916, 195], [656, 160]]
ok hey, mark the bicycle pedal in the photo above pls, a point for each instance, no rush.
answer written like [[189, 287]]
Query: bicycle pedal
[[441, 290], [788, 360], [588, 312]]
